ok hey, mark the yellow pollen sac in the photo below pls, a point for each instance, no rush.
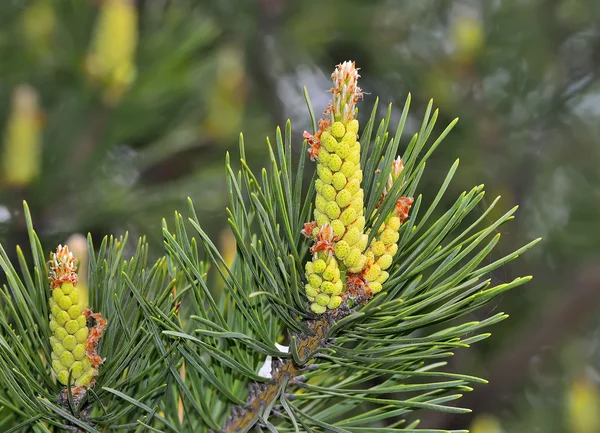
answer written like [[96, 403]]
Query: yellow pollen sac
[[67, 288], [383, 277], [327, 287], [393, 223], [317, 308], [352, 236], [319, 186], [57, 295], [82, 321], [337, 288], [334, 162], [353, 186], [358, 175], [353, 257], [322, 299], [311, 291], [343, 198], [69, 342], [354, 157], [74, 311], [314, 280], [349, 138], [385, 261], [60, 333], [359, 223], [348, 169], [319, 266], [79, 351], [375, 287], [373, 272], [352, 126], [329, 142], [72, 326], [387, 236], [309, 268], [321, 218], [65, 303], [339, 181], [329, 192], [378, 248], [324, 173], [82, 334], [62, 317], [338, 130], [392, 249], [339, 228], [321, 203], [342, 249], [342, 150], [348, 216], [334, 302], [332, 210], [362, 243]]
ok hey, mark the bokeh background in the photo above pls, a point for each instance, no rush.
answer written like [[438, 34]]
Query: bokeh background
[[114, 111]]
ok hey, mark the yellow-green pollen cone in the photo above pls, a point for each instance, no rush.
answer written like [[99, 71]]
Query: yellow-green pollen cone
[[72, 347], [323, 273], [342, 264], [112, 55], [21, 156], [384, 245], [339, 205]]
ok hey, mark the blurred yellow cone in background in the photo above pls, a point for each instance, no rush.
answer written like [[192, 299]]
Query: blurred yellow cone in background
[[583, 407], [21, 156]]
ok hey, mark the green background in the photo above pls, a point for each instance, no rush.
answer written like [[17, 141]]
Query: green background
[[522, 76]]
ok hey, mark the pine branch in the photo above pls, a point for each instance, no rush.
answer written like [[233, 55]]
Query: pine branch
[[284, 372], [370, 294], [380, 335]]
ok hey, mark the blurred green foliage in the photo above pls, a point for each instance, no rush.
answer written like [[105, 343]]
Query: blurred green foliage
[[523, 76]]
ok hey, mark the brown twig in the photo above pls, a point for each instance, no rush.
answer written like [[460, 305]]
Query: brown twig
[[283, 372]]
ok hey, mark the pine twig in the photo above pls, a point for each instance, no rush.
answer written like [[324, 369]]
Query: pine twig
[[283, 372]]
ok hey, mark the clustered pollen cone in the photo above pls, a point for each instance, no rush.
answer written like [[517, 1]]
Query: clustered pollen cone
[[339, 223], [74, 342], [340, 266], [111, 60], [21, 158], [384, 246]]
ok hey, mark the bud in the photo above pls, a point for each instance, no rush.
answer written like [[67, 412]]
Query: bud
[[74, 344], [21, 159], [395, 172], [111, 61]]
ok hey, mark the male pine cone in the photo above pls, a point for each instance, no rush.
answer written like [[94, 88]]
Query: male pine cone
[[341, 262], [73, 343]]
